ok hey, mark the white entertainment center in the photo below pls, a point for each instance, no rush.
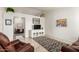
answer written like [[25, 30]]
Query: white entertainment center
[[36, 33], [38, 28]]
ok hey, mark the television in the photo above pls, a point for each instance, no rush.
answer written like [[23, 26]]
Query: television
[[37, 26]]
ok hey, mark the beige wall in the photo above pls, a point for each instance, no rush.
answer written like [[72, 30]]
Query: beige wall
[[67, 34]]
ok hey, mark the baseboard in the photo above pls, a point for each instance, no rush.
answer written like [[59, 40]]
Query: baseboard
[[56, 38]]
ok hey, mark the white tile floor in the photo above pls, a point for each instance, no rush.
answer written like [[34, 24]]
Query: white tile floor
[[37, 47]]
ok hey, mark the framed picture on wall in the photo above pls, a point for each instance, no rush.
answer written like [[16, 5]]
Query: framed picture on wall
[[36, 21], [61, 22], [8, 22]]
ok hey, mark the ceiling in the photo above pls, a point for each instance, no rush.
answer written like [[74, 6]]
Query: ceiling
[[48, 9], [28, 10], [35, 10], [45, 8]]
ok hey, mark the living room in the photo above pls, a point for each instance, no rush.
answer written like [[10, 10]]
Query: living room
[[45, 28], [39, 29]]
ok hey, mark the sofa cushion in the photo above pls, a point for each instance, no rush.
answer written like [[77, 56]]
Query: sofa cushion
[[4, 40], [10, 48], [76, 47], [1, 49], [68, 49], [76, 44]]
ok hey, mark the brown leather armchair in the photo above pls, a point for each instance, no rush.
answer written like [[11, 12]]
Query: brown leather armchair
[[14, 46], [71, 48]]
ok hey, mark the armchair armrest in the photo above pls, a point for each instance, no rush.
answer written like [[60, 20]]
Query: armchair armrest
[[14, 42], [68, 49], [1, 49], [76, 47], [10, 48], [27, 48]]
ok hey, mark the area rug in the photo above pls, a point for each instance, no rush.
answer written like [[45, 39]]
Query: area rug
[[50, 44]]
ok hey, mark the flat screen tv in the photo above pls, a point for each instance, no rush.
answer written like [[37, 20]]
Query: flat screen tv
[[37, 26]]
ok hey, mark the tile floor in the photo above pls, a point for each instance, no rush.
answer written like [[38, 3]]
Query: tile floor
[[37, 47]]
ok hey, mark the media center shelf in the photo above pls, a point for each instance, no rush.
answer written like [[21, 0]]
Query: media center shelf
[[36, 33], [37, 28]]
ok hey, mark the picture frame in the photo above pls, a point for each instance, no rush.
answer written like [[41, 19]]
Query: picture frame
[[8, 22], [61, 22], [36, 21]]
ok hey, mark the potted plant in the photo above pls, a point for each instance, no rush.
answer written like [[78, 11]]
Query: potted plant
[[9, 9]]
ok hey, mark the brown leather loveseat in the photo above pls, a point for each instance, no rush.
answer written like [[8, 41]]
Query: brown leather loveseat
[[71, 48], [14, 46]]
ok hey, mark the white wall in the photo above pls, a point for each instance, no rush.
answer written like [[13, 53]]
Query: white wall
[[8, 29], [1, 18], [67, 34]]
